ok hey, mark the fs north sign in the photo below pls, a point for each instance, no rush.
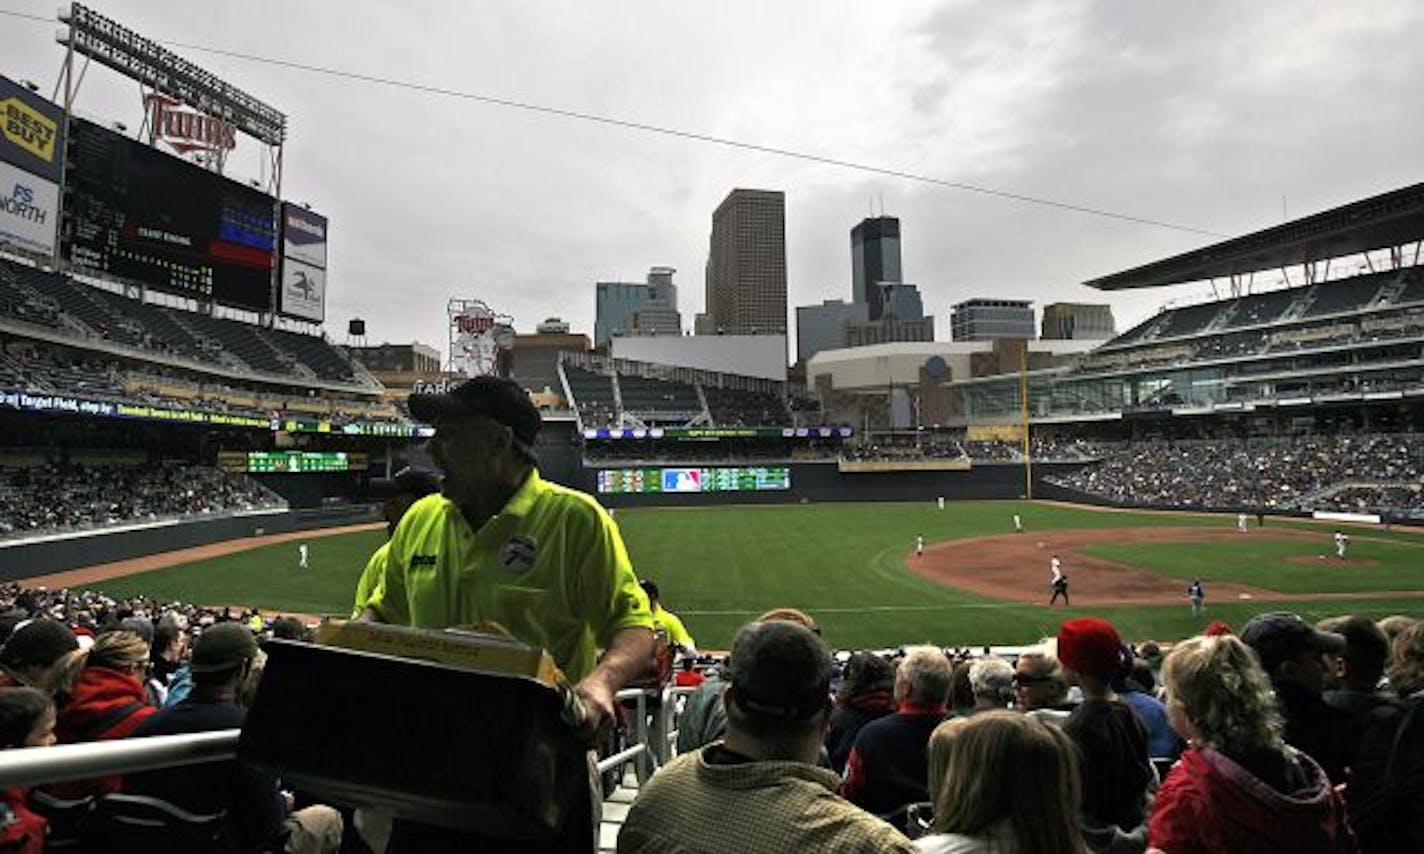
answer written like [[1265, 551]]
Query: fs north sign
[[187, 131]]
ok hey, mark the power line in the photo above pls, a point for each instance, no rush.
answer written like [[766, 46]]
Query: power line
[[677, 133]]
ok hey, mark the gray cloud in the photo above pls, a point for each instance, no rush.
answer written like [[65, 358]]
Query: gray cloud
[[1203, 113]]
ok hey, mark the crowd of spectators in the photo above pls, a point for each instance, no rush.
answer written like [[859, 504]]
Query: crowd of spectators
[[1303, 473], [1276, 739], [1080, 743], [59, 496], [40, 368], [80, 666]]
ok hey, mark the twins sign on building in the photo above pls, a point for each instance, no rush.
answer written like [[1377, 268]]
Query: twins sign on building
[[480, 340], [185, 130]]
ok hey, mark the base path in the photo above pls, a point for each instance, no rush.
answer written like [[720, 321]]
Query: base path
[[1015, 567]]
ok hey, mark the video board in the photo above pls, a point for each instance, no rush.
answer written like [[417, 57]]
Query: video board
[[137, 213], [292, 462], [685, 480]]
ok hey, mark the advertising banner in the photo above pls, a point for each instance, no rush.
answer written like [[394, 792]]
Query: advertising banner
[[303, 235], [29, 208], [303, 291], [31, 131]]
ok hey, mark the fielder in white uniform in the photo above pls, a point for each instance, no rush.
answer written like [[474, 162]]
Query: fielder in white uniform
[[1018, 524], [1241, 522], [1341, 541], [919, 544], [302, 556]]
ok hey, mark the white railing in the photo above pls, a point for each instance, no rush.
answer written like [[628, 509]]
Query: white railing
[[37, 766]]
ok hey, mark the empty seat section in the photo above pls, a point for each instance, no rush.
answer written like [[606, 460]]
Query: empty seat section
[[1346, 295], [641, 394], [315, 353], [593, 396], [1189, 320], [1414, 290], [1262, 308], [241, 340]]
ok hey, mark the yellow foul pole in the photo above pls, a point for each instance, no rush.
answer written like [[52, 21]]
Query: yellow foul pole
[[1023, 421]]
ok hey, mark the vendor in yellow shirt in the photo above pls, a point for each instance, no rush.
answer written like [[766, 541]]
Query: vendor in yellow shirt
[[400, 492], [500, 544], [666, 620]]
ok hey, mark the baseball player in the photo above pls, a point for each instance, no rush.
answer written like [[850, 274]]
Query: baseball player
[[302, 556], [941, 502], [1197, 594], [919, 545], [1060, 582], [1018, 524], [1241, 522], [1342, 540]]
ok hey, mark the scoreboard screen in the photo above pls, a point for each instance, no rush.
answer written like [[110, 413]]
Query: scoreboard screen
[[747, 479], [137, 213], [293, 462]]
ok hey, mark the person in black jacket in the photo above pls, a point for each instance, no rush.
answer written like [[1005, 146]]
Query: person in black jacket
[[1386, 792], [1292, 652], [865, 695]]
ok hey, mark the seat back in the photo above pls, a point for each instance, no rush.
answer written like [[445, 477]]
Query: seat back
[[139, 824], [67, 819]]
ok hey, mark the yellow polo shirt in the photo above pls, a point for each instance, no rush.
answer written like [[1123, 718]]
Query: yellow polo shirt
[[550, 567], [672, 624], [370, 578]]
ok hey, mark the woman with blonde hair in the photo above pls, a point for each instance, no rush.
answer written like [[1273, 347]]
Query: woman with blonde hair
[[1002, 783], [1238, 786]]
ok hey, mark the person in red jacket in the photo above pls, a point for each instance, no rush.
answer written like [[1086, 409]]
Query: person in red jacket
[[100, 695], [1238, 786], [26, 720]]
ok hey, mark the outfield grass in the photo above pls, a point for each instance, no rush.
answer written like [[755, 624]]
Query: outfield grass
[[844, 563], [1262, 562]]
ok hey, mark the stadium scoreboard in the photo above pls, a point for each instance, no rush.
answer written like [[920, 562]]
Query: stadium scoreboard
[[139, 214], [291, 462], [739, 479]]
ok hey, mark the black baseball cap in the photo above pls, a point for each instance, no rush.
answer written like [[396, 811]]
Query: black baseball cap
[[493, 397], [782, 671], [222, 647], [1279, 637]]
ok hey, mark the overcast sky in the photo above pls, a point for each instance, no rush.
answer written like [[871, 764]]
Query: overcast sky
[[1205, 114]]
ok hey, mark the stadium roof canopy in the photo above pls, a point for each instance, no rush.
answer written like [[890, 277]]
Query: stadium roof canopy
[[1389, 219]]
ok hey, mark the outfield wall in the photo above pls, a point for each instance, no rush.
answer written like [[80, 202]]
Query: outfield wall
[[817, 482], [87, 548]]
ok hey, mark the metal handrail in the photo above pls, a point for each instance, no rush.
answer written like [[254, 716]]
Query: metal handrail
[[36, 766]]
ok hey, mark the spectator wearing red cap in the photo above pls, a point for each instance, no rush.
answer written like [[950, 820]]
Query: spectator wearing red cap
[[1115, 769]]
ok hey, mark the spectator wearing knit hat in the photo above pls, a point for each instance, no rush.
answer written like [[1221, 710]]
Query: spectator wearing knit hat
[[32, 650], [1115, 769]]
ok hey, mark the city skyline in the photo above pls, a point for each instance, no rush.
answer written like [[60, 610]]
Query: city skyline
[[1188, 115]]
